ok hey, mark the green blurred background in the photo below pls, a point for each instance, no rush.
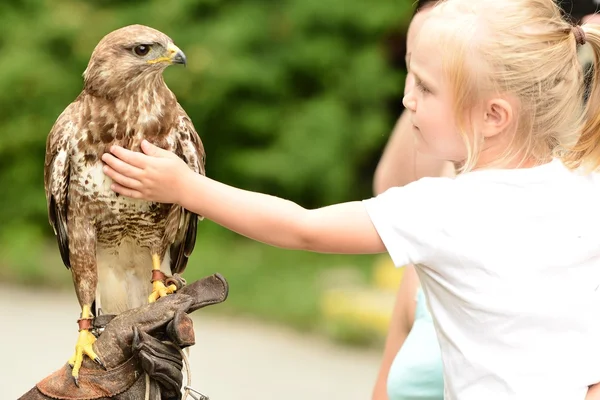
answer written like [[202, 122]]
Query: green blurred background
[[295, 98]]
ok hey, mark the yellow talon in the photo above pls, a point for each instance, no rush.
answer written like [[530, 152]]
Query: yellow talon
[[83, 347], [158, 287], [160, 290]]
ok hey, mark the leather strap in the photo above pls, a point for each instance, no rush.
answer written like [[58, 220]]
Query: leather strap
[[85, 323], [158, 275]]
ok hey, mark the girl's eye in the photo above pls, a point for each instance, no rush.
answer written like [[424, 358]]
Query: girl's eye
[[422, 87]]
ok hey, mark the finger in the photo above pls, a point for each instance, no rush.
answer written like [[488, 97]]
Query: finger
[[121, 166], [134, 194], [155, 151], [136, 343], [134, 158], [122, 179]]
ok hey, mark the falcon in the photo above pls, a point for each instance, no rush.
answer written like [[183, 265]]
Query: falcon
[[119, 250]]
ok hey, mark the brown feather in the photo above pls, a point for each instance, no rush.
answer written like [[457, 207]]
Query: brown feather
[[191, 150], [57, 176]]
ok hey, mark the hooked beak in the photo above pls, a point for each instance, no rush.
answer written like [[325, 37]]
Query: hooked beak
[[176, 56]]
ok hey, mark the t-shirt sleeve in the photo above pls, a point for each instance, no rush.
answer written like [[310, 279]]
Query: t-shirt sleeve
[[411, 219]]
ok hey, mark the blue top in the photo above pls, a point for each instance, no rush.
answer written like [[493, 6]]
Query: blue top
[[416, 372]]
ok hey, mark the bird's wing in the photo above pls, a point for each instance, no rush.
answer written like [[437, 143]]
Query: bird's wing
[[56, 175], [182, 224]]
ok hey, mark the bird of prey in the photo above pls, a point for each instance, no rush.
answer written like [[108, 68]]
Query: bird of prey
[[119, 249]]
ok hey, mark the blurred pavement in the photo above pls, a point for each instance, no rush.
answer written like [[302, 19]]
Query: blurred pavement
[[233, 358]]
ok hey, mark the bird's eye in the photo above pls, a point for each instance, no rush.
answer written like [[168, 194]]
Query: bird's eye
[[141, 50]]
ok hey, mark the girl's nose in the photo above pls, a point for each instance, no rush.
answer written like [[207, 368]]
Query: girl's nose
[[409, 100]]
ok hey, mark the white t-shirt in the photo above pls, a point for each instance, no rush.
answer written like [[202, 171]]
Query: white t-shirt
[[510, 263]]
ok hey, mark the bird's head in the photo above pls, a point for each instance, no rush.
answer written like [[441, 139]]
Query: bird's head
[[129, 58]]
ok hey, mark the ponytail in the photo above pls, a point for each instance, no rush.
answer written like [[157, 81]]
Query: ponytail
[[586, 152]]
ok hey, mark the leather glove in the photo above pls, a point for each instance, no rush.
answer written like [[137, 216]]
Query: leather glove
[[161, 361], [133, 344]]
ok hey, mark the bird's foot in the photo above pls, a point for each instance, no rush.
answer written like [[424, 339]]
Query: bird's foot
[[160, 290], [83, 348]]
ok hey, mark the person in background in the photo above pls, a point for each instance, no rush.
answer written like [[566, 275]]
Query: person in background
[[411, 366]]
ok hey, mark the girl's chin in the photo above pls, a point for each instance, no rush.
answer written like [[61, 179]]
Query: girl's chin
[[423, 148]]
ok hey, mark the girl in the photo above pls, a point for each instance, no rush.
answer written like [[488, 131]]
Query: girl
[[508, 263], [411, 366]]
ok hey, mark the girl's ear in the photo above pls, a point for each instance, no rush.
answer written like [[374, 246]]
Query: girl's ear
[[497, 116]]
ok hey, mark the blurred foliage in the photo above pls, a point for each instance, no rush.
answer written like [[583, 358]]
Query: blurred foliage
[[294, 97]]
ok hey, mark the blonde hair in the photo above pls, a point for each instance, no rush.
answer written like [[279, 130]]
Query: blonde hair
[[525, 50]]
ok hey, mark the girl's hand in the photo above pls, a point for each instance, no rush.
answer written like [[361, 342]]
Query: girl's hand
[[158, 175]]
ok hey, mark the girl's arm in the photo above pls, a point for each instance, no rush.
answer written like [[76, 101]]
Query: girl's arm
[[593, 392], [161, 176], [401, 323]]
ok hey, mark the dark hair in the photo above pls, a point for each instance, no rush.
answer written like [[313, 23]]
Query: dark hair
[[421, 4], [575, 10]]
